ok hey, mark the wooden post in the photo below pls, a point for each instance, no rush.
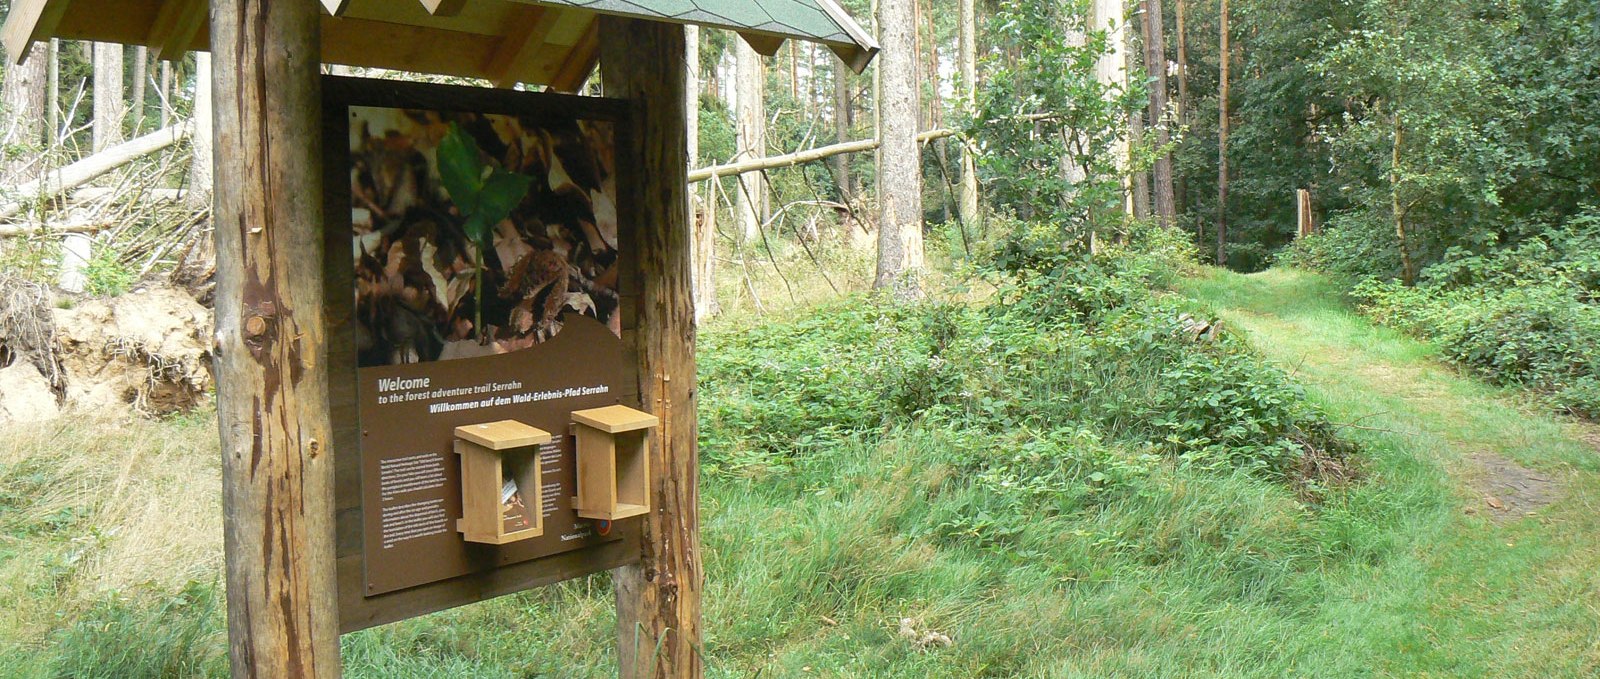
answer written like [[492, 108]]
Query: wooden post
[[658, 600], [271, 354], [1307, 225]]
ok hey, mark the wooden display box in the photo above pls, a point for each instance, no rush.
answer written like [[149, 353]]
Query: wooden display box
[[502, 484], [613, 462]]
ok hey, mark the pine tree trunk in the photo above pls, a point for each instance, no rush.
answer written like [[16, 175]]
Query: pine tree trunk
[[701, 211], [750, 85], [52, 103], [900, 254], [141, 65], [200, 173], [25, 102], [841, 127], [1139, 181], [1111, 69], [1226, 57], [108, 92], [968, 58], [166, 93], [1182, 188], [1166, 210]]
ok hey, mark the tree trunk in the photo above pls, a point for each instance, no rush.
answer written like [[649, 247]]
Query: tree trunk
[[200, 174], [1408, 270], [1166, 210], [141, 65], [1182, 189], [108, 104], [968, 58], [658, 599], [1225, 56], [701, 211], [1139, 180], [166, 92], [750, 84], [841, 128], [900, 256], [25, 102], [271, 343], [1111, 69]]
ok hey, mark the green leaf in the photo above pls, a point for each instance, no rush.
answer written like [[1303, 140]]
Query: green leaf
[[501, 194], [461, 169]]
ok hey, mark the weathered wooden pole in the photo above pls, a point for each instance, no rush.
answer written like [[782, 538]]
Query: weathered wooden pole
[[271, 357], [658, 600]]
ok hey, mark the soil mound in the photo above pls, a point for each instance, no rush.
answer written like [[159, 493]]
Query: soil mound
[[149, 349]]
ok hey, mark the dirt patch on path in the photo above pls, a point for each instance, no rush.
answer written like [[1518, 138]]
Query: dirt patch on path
[[1508, 490]]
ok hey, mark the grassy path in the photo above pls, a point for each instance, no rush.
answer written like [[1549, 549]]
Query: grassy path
[[1483, 515]]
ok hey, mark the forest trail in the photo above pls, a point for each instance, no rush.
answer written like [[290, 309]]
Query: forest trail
[[1497, 564]]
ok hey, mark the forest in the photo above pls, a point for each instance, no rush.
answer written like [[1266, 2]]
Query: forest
[[1071, 338]]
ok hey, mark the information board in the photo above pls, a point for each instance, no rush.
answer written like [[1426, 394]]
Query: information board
[[485, 279]]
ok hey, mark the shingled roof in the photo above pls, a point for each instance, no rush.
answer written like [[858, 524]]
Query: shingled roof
[[538, 42]]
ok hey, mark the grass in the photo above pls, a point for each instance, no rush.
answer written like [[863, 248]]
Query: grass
[[812, 563]]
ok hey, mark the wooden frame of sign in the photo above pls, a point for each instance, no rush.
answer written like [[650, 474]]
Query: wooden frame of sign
[[368, 597]]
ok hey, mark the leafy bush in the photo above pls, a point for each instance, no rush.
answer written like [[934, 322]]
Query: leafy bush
[[1541, 335], [1066, 380]]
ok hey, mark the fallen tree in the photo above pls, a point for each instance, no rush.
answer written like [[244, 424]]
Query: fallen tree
[[57, 182], [799, 157]]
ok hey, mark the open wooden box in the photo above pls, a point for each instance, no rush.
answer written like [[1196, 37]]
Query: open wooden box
[[502, 484], [613, 462]]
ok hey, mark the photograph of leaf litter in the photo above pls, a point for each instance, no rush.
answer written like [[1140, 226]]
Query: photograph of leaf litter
[[478, 234]]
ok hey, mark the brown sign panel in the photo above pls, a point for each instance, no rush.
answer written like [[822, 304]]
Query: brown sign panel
[[477, 271]]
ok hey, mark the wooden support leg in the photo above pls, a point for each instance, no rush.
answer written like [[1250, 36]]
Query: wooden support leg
[[658, 601], [271, 355]]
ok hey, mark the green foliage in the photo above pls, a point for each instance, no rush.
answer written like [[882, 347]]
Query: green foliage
[[1536, 334], [484, 194], [1046, 127], [106, 275], [1071, 343]]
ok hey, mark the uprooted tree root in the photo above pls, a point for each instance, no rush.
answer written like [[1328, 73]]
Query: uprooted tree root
[[28, 330]]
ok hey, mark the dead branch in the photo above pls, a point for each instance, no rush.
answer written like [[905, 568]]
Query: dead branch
[[806, 156], [82, 172]]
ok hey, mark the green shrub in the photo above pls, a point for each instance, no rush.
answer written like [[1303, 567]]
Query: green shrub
[[1074, 346], [1541, 335]]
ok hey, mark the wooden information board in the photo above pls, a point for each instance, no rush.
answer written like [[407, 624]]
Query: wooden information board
[[478, 270]]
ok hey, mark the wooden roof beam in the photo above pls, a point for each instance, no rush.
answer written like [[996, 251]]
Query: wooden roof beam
[[765, 45], [443, 8], [177, 24], [30, 21], [524, 36], [580, 62]]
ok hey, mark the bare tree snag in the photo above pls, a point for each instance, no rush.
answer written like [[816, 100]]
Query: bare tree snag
[[1408, 270], [271, 351], [141, 73], [200, 173], [968, 56], [900, 256], [705, 233], [658, 599], [750, 77], [24, 95], [1111, 69], [108, 104]]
